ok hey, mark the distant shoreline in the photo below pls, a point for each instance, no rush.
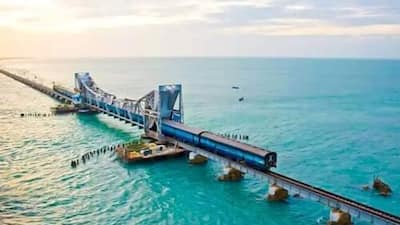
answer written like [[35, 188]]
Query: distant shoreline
[[206, 57], [8, 58]]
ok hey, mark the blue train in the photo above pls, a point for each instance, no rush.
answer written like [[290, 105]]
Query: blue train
[[250, 155]]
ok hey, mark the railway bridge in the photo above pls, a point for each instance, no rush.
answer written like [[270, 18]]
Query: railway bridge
[[160, 114]]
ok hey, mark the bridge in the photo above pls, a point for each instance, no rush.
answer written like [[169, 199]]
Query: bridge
[[38, 86], [160, 113]]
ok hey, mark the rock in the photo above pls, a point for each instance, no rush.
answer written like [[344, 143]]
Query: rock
[[365, 187], [297, 195], [381, 187]]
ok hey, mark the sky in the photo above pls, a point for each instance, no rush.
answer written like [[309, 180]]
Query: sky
[[215, 28]]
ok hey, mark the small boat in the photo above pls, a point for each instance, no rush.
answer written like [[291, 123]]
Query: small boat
[[235, 87], [241, 99]]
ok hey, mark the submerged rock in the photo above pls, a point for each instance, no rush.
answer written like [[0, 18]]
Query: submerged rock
[[365, 187], [297, 195]]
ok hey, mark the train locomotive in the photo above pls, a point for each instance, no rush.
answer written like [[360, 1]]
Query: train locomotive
[[247, 154]]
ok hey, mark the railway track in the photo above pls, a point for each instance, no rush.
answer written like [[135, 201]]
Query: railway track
[[393, 219]]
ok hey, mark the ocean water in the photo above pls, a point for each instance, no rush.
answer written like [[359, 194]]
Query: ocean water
[[335, 123]]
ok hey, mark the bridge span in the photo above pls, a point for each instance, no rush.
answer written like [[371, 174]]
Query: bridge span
[[38, 86], [160, 114]]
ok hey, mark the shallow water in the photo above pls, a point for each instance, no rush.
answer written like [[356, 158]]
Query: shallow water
[[334, 123]]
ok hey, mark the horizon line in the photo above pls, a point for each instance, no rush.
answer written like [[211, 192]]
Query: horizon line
[[198, 57]]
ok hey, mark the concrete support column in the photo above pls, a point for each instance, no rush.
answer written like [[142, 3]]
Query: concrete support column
[[231, 174], [277, 193], [338, 217], [196, 158]]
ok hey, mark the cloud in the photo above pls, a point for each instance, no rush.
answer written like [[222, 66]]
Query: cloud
[[256, 17], [298, 7], [70, 15], [312, 27], [364, 12]]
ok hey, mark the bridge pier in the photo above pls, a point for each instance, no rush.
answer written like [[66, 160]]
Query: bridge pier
[[277, 193], [231, 174], [195, 158], [338, 217]]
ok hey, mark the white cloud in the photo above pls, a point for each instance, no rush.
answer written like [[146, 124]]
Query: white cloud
[[62, 15], [77, 15], [312, 27], [364, 12], [298, 7]]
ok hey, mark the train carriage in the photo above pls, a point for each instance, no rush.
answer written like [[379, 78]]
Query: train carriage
[[234, 150]]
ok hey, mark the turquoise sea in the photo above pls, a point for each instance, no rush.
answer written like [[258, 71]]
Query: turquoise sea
[[335, 123]]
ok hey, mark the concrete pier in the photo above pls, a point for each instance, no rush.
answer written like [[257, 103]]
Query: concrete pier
[[277, 193], [338, 217], [231, 174], [197, 158]]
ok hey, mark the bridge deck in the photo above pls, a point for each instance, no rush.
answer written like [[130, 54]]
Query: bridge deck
[[115, 115], [362, 211], [37, 86]]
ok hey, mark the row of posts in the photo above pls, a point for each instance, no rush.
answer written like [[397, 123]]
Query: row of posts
[[89, 155], [235, 136], [36, 114]]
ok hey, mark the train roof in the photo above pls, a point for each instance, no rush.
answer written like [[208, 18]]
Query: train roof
[[237, 144], [181, 126], [223, 140]]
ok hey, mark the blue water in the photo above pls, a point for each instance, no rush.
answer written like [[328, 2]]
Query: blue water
[[335, 123]]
